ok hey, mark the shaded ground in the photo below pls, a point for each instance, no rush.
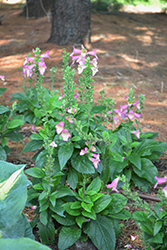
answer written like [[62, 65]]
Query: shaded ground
[[132, 51]]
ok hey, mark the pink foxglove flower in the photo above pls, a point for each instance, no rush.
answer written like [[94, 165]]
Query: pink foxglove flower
[[95, 160], [59, 127], [160, 180], [84, 151], [72, 111], [28, 59], [81, 54], [53, 144], [27, 70], [165, 191], [137, 116], [133, 237], [76, 95], [92, 148], [46, 55], [130, 114], [137, 105], [81, 67], [70, 119], [60, 97], [128, 246], [2, 77], [136, 133], [65, 134], [115, 120], [34, 207], [114, 184], [42, 67]]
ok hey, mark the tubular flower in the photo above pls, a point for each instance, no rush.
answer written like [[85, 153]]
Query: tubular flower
[[165, 191], [114, 184], [59, 127], [84, 151], [130, 114], [95, 160], [160, 180], [27, 70], [53, 144], [42, 67], [70, 119], [46, 55], [2, 77], [136, 133], [65, 134]]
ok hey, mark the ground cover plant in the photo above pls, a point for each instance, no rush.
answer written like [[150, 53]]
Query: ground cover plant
[[79, 153]]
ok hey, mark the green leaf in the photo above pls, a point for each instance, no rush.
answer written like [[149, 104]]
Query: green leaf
[[3, 109], [76, 205], [52, 199], [20, 229], [41, 159], [20, 244], [148, 170], [97, 109], [13, 193], [73, 212], [44, 217], [157, 227], [68, 220], [91, 215], [64, 154], [82, 164], [102, 203], [16, 122], [123, 215], [158, 238], [32, 146], [46, 233], [118, 203], [80, 220], [2, 153], [86, 207], [95, 185], [35, 172], [36, 137], [135, 160], [72, 178], [68, 236], [2, 90], [14, 136], [20, 96], [101, 232], [63, 191]]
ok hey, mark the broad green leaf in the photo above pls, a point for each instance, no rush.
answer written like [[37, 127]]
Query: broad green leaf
[[46, 233], [102, 203], [32, 146], [68, 236], [86, 207], [14, 136], [20, 244], [72, 178], [44, 217], [73, 212], [58, 209], [35, 172], [80, 220], [118, 203], [63, 191], [76, 205], [20, 96], [123, 215], [68, 220], [13, 193], [16, 122], [36, 137], [3, 109], [20, 229], [2, 153], [64, 154], [158, 238], [82, 164], [140, 182], [91, 215], [97, 109], [148, 170], [95, 185], [157, 227], [52, 199], [101, 232], [135, 160], [2, 90], [41, 159]]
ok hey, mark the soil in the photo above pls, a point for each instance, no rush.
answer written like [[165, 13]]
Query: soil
[[131, 48]]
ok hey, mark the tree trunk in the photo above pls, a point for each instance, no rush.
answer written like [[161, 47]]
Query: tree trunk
[[70, 21], [36, 8]]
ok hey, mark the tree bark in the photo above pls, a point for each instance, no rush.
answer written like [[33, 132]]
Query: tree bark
[[70, 21], [36, 8]]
